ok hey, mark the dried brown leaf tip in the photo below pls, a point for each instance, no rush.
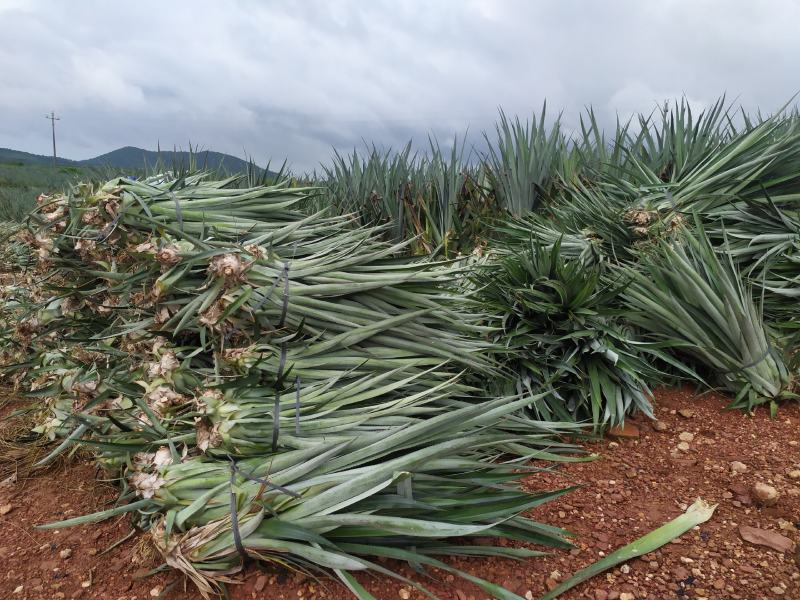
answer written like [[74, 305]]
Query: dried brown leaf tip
[[229, 267]]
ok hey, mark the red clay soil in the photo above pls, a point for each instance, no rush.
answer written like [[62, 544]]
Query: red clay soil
[[637, 484]]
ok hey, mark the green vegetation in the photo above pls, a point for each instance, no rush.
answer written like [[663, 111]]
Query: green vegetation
[[330, 371], [686, 292], [570, 222], [21, 183], [23, 176], [291, 390], [557, 332]]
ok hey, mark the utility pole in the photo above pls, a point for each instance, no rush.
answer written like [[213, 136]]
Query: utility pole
[[53, 118]]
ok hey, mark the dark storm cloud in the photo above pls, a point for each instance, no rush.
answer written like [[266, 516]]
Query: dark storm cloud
[[280, 79]]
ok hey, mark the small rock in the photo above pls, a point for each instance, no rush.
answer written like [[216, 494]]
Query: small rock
[[613, 445], [685, 436], [631, 474], [404, 594], [660, 426], [529, 595], [461, 595], [261, 583], [795, 474], [628, 430], [65, 553], [764, 494], [680, 573], [742, 494], [626, 596], [155, 592], [684, 446], [625, 569], [4, 510], [777, 590], [686, 413], [765, 537], [719, 584], [738, 467], [600, 595], [18, 589], [550, 584]]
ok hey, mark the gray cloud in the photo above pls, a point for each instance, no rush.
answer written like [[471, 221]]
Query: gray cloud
[[284, 79]]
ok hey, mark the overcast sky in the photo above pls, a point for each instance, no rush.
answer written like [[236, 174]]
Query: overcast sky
[[294, 79]]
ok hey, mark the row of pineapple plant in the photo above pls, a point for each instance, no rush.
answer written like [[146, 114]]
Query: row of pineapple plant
[[269, 384], [619, 222]]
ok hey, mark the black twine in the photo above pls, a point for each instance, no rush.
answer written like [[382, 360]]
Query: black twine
[[237, 537], [754, 362], [262, 481], [285, 295], [297, 405], [276, 416], [284, 273]]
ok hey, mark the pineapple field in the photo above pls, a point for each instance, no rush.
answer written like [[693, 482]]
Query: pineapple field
[[528, 371]]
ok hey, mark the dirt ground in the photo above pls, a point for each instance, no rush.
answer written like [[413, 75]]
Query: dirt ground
[[639, 482]]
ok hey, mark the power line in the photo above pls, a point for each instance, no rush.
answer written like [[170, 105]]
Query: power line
[[53, 118]]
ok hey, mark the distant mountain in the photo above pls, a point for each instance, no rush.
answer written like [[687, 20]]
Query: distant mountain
[[137, 158], [18, 157], [132, 158]]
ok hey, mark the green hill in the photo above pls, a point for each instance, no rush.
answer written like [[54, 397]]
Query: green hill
[[135, 159], [23, 175], [130, 157], [19, 158]]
